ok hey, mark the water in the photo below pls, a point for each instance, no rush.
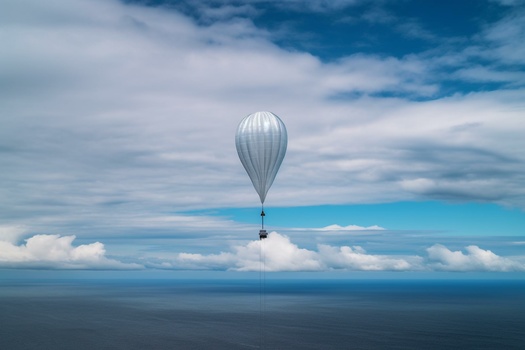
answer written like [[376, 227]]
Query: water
[[308, 314]]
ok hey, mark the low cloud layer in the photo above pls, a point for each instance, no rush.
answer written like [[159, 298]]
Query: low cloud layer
[[56, 252], [279, 253], [473, 259], [339, 228]]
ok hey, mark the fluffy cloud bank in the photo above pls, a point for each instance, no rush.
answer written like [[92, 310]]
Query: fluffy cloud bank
[[56, 252], [336, 228], [475, 259], [279, 253]]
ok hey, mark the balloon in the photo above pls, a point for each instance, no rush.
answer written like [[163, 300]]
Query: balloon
[[261, 141]]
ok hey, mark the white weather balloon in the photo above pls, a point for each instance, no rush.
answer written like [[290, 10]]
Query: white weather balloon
[[261, 141]]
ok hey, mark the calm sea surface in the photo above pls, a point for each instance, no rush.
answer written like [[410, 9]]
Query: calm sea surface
[[289, 315]]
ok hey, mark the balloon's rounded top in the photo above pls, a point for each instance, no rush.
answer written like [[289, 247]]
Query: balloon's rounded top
[[263, 119], [261, 142]]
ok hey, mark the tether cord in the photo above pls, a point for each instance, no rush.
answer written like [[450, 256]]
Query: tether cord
[[262, 217], [262, 286], [262, 295]]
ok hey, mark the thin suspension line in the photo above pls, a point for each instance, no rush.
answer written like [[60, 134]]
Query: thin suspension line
[[264, 294], [262, 217], [262, 282], [261, 299]]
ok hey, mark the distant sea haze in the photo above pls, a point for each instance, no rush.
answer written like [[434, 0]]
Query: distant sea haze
[[234, 314]]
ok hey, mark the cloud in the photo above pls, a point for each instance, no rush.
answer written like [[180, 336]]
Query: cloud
[[227, 12], [451, 189], [356, 258], [503, 35], [413, 29], [475, 259], [11, 233], [341, 229], [57, 252], [350, 228], [488, 74], [494, 55], [322, 6], [279, 253], [122, 115]]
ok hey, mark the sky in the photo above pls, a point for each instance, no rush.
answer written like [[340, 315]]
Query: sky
[[405, 125]]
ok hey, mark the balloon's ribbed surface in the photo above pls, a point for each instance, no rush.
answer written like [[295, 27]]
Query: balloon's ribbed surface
[[261, 142]]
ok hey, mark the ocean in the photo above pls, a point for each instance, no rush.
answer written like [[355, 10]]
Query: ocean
[[276, 314]]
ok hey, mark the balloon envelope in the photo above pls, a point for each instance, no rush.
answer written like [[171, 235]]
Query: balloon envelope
[[261, 142]]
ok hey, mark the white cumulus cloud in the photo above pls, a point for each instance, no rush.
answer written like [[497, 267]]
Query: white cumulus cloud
[[279, 253], [276, 253], [356, 258], [336, 227], [55, 251], [475, 259]]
